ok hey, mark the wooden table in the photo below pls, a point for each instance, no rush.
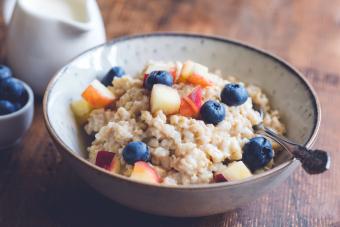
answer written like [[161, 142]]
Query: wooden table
[[37, 188]]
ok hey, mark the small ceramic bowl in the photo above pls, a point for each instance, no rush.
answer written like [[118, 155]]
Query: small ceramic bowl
[[13, 126], [288, 91]]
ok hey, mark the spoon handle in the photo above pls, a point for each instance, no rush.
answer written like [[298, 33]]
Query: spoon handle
[[313, 161]]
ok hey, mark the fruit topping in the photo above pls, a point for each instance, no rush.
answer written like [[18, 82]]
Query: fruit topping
[[81, 109], [97, 95], [158, 77], [108, 160], [212, 112], [164, 98], [136, 151], [234, 95], [194, 73], [257, 153], [143, 171], [191, 104], [235, 171], [161, 67], [116, 71]]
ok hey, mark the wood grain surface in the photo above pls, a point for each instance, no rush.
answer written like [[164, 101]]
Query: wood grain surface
[[37, 188]]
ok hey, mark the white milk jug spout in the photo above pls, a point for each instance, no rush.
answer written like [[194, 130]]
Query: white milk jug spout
[[43, 35]]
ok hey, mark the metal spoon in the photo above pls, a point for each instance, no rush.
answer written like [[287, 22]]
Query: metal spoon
[[313, 161]]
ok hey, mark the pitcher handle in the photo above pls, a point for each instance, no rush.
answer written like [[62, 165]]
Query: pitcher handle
[[7, 10]]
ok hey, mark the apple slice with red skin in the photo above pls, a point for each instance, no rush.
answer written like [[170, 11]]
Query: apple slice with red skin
[[218, 177], [97, 95], [144, 172], [191, 104], [108, 160], [194, 73], [196, 97]]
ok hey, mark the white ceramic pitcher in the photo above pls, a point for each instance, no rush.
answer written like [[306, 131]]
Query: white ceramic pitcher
[[43, 35]]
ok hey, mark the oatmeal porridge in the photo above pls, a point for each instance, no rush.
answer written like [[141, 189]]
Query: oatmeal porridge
[[177, 124]]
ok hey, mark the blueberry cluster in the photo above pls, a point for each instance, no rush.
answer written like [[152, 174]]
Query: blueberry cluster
[[213, 112], [13, 95]]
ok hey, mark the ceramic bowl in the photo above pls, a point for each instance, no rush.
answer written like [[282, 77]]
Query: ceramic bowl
[[13, 126], [288, 91]]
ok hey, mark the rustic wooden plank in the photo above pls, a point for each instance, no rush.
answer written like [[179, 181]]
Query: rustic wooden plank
[[37, 188]]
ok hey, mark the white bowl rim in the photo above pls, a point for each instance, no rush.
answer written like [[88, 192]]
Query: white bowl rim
[[286, 65], [23, 109]]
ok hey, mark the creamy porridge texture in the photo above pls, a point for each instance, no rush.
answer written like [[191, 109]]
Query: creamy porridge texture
[[188, 126]]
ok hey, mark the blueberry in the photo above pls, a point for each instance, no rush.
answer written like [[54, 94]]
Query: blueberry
[[234, 95], [17, 106], [136, 151], [116, 71], [13, 90], [6, 107], [5, 73], [212, 112], [158, 77], [257, 153]]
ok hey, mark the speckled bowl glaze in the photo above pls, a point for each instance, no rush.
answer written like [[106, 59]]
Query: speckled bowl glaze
[[289, 92]]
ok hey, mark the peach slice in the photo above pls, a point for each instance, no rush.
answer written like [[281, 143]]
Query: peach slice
[[97, 95], [164, 98], [81, 110], [142, 171]]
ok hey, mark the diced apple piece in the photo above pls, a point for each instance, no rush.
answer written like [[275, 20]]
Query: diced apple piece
[[108, 160], [142, 171], [164, 98], [188, 108], [236, 171], [190, 105], [218, 177], [186, 71], [81, 110], [104, 159], [196, 97], [115, 165], [97, 95], [198, 79], [194, 73]]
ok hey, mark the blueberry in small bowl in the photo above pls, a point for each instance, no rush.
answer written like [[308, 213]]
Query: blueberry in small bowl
[[16, 108], [5, 72]]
